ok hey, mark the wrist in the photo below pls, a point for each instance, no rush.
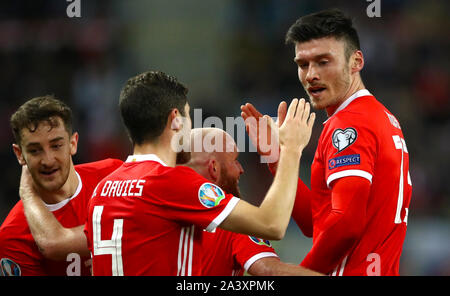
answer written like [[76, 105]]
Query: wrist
[[26, 193], [292, 152]]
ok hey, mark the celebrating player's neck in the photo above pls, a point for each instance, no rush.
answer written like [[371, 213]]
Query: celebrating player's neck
[[355, 85], [67, 190], [159, 148]]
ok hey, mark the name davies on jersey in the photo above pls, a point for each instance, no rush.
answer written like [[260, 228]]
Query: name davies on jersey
[[123, 188]]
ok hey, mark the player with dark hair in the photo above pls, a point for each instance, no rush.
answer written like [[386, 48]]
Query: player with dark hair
[[357, 208], [224, 252], [148, 216], [44, 146]]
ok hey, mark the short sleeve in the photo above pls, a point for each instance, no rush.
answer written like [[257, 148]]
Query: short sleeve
[[19, 258], [350, 149], [188, 197], [249, 249]]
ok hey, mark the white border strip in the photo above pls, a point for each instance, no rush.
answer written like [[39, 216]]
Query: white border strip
[[347, 173], [144, 157], [359, 93], [59, 205], [256, 257], [219, 219], [185, 251], [341, 271]]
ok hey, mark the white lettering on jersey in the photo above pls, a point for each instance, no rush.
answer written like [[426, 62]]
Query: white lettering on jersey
[[123, 188], [393, 120]]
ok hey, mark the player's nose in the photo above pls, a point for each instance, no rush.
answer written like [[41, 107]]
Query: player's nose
[[48, 158], [311, 74], [241, 169]]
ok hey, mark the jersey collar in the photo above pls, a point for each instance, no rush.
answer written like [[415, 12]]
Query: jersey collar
[[59, 205], [145, 157], [359, 93]]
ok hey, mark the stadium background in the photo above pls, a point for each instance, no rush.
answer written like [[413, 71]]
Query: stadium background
[[228, 53]]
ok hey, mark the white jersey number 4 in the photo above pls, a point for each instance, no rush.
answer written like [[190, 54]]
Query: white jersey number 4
[[111, 247]]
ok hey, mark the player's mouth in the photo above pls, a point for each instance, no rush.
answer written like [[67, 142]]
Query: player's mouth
[[316, 91], [48, 173]]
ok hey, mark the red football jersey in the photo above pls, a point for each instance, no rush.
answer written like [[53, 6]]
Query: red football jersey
[[19, 254], [362, 138], [228, 253], [147, 219]]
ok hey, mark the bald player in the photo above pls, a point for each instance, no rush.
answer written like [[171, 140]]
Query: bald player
[[214, 155]]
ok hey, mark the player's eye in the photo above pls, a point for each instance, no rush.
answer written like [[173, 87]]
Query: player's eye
[[323, 62], [303, 66], [33, 151]]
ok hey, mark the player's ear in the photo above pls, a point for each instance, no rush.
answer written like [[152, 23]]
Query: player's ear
[[357, 61], [175, 120], [18, 152], [73, 143], [213, 170]]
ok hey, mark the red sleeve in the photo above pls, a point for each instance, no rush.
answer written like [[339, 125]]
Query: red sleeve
[[302, 209], [248, 249], [190, 198], [343, 226], [350, 149], [15, 260], [19, 254]]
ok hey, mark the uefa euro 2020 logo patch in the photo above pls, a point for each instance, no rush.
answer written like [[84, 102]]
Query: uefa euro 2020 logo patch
[[9, 268], [260, 241], [210, 195]]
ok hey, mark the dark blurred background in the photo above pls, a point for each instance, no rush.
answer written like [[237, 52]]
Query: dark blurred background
[[228, 53]]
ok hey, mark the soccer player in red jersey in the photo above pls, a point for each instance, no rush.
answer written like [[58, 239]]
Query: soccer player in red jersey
[[224, 252], [147, 217], [357, 207], [44, 145]]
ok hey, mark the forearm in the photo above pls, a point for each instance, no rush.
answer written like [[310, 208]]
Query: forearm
[[343, 227], [53, 240], [39, 218], [331, 246], [301, 212], [277, 205], [274, 267], [270, 219]]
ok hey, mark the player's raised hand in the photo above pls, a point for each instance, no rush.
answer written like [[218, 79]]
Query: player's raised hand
[[26, 183], [282, 110], [295, 132], [263, 136]]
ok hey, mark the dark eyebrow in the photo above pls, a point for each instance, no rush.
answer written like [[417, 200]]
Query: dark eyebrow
[[39, 144], [316, 57], [56, 139], [33, 144]]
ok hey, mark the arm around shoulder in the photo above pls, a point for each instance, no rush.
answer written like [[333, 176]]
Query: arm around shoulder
[[272, 266]]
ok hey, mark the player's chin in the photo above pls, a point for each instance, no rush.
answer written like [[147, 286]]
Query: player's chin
[[51, 186], [316, 103]]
